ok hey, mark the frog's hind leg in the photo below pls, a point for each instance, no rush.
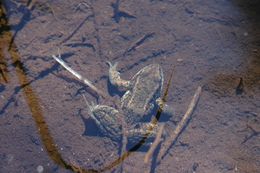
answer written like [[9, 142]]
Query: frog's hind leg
[[107, 119], [115, 79]]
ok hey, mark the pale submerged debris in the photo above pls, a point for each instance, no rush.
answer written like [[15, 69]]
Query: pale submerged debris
[[77, 75], [40, 168]]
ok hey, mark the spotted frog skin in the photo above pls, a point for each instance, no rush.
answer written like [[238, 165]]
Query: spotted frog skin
[[142, 93]]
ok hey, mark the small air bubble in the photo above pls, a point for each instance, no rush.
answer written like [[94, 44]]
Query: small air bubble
[[40, 169]]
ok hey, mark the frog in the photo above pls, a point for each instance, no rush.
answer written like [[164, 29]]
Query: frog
[[141, 95], [142, 91], [109, 121]]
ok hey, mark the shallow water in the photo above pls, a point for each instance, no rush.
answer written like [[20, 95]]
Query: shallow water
[[44, 121]]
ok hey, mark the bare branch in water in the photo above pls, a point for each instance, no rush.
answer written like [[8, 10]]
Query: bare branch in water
[[77, 75], [167, 144], [153, 147], [156, 142]]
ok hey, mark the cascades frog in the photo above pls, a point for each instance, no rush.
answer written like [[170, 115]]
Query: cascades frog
[[142, 95]]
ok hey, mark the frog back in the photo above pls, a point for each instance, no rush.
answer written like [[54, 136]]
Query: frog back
[[146, 87]]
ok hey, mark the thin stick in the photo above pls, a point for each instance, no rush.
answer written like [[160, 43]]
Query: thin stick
[[124, 143], [137, 43], [77, 75], [76, 29], [166, 145], [156, 142]]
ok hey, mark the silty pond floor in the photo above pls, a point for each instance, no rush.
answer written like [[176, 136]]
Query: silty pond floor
[[44, 121]]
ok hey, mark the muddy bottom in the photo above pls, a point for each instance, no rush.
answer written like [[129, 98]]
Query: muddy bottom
[[45, 125]]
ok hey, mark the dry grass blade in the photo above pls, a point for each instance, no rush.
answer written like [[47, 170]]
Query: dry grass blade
[[77, 75], [166, 145]]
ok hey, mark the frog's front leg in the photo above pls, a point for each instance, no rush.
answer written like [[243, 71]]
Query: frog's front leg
[[165, 107], [115, 79]]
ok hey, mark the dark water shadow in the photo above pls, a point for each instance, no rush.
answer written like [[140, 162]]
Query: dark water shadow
[[246, 75], [112, 90], [118, 14], [250, 71], [25, 10], [91, 129]]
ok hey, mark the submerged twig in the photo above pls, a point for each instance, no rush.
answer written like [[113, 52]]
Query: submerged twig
[[4, 76], [124, 143], [77, 75], [137, 43], [76, 29], [253, 133], [156, 142], [166, 145]]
